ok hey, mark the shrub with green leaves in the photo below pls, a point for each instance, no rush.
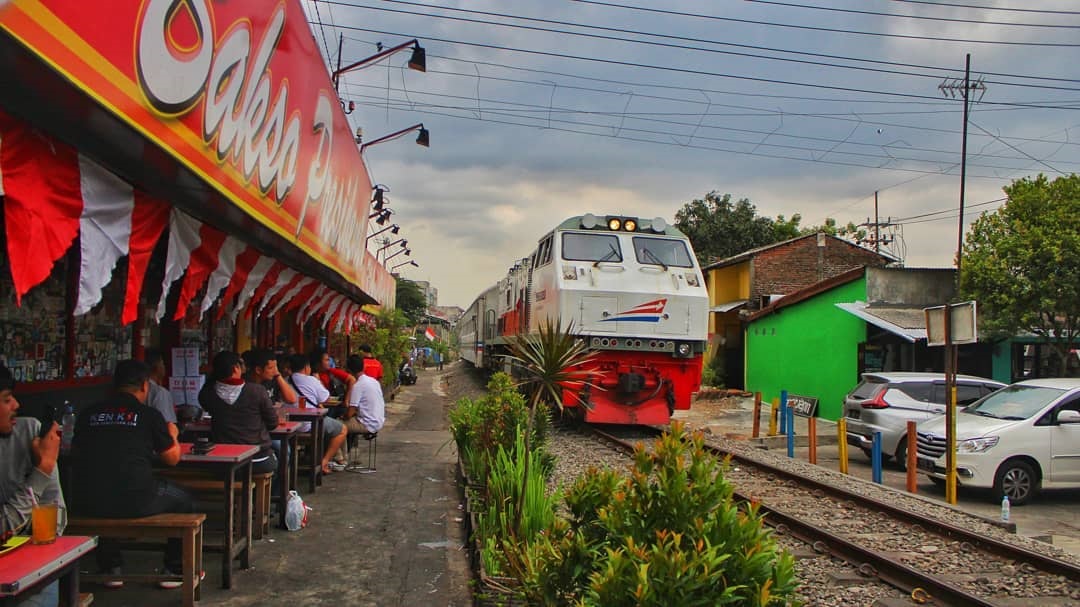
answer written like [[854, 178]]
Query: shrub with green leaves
[[500, 529], [669, 533], [480, 426]]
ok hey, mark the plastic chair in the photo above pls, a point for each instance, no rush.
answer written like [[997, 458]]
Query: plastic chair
[[355, 465]]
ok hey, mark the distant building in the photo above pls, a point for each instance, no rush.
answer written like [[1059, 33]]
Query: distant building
[[742, 284]]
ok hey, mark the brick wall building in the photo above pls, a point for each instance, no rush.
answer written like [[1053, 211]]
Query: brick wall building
[[795, 264]]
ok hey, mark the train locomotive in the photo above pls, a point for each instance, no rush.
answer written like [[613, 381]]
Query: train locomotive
[[634, 293]]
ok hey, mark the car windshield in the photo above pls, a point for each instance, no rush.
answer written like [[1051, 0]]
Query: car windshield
[[1015, 402], [590, 247], [662, 252]]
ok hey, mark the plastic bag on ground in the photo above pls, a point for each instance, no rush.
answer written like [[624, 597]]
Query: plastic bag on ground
[[296, 512]]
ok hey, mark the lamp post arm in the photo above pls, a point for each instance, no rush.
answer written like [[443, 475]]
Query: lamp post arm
[[374, 234], [393, 135], [379, 55]]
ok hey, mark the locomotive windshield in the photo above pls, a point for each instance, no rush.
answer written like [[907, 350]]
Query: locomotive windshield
[[662, 252], [590, 247]]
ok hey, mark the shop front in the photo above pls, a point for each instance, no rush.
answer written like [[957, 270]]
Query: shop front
[[172, 175]]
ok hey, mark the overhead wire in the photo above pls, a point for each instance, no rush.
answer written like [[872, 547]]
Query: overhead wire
[[915, 17], [943, 71], [689, 71], [989, 8], [825, 29]]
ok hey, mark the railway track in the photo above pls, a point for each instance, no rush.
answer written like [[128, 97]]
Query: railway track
[[933, 561]]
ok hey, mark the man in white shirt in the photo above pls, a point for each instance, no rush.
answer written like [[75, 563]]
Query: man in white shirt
[[314, 394], [366, 408]]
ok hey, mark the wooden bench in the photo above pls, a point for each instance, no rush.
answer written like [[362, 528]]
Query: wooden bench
[[186, 527], [202, 485]]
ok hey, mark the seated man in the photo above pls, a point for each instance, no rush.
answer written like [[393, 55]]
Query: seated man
[[159, 397], [117, 442], [262, 369], [240, 412], [27, 466], [314, 394], [321, 368], [366, 408]]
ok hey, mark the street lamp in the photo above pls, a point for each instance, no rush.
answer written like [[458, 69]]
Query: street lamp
[[388, 244], [393, 230], [407, 252], [405, 263], [382, 216], [418, 60], [423, 138]]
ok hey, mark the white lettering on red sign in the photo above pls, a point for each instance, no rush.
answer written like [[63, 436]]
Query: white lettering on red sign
[[245, 119]]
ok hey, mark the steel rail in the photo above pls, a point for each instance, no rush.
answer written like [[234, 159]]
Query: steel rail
[[888, 570]]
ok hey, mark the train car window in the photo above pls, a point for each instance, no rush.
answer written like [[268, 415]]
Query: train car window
[[545, 257], [591, 247], [662, 252]]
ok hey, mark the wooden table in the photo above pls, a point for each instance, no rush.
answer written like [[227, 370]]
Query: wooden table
[[31, 567], [315, 416], [225, 460], [286, 432]]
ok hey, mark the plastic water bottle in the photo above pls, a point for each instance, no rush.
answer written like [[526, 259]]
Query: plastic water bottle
[[1005, 509], [67, 427]]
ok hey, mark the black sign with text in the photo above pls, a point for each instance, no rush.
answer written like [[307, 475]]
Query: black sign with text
[[803, 406]]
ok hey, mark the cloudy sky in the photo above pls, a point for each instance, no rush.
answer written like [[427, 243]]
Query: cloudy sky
[[544, 109]]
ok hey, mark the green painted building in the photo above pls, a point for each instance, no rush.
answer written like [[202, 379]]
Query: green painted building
[[806, 345]]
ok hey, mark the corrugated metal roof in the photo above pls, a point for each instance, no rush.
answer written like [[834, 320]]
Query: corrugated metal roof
[[907, 322], [730, 305]]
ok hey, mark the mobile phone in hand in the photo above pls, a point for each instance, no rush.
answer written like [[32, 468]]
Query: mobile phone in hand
[[48, 416]]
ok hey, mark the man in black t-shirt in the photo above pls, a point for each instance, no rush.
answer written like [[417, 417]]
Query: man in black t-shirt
[[115, 447]]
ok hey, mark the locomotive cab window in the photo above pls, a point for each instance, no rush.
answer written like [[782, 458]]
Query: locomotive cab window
[[591, 247], [662, 252], [543, 253]]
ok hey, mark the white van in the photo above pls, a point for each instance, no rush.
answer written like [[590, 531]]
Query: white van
[[1016, 440]]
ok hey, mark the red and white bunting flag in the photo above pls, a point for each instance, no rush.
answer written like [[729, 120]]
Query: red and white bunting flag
[[332, 308], [184, 237], [308, 304], [259, 296], [203, 261], [245, 263], [148, 221], [285, 281], [303, 295], [42, 201], [223, 273], [104, 230], [429, 333], [248, 284], [343, 316], [305, 283]]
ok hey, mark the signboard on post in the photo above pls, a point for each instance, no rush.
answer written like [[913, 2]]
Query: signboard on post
[[803, 406], [961, 324]]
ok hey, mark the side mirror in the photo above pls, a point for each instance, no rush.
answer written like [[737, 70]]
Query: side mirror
[[1068, 416]]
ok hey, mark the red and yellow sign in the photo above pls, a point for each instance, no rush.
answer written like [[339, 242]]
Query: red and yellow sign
[[237, 92]]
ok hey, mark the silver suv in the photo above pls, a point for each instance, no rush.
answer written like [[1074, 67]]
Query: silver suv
[[886, 402]]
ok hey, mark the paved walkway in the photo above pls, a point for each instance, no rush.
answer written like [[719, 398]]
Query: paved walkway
[[392, 538]]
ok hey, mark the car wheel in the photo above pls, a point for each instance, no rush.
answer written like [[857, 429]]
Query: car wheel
[[938, 482], [1016, 479], [901, 454]]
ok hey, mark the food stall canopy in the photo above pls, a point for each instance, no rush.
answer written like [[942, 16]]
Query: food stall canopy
[[222, 110]]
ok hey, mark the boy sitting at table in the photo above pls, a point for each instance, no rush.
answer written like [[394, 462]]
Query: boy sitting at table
[[241, 413], [116, 444], [28, 473], [311, 390]]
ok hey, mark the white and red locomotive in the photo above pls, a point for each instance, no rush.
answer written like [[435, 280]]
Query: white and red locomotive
[[635, 294]]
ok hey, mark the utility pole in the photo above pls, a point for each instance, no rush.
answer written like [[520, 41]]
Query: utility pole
[[951, 87], [876, 226]]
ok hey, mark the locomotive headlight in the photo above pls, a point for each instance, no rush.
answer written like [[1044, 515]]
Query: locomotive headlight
[[630, 225], [683, 350], [692, 279], [614, 223], [569, 272]]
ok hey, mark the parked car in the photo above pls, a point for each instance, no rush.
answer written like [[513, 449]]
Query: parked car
[[886, 402], [1016, 440]]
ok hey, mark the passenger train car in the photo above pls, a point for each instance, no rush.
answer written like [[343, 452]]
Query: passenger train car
[[635, 294]]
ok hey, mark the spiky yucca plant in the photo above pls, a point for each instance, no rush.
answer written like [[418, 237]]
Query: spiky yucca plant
[[549, 363]]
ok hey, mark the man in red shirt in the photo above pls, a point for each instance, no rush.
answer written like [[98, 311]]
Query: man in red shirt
[[372, 366]]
